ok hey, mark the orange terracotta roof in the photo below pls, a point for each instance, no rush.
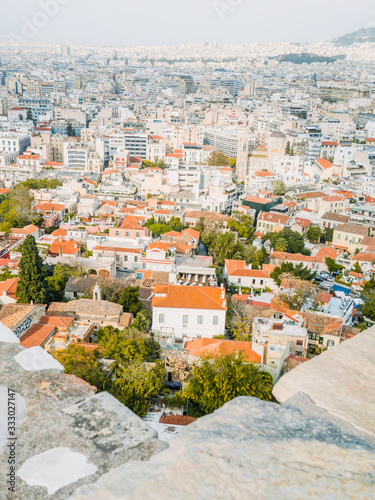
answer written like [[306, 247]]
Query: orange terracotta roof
[[118, 249], [57, 321], [327, 252], [37, 335], [324, 163], [324, 297], [59, 232], [364, 257], [188, 297], [30, 229], [176, 419], [159, 245], [215, 347], [273, 218], [9, 286], [191, 232], [295, 257], [64, 247], [49, 207], [268, 268]]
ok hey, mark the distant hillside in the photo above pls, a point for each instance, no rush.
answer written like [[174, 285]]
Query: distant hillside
[[361, 36], [307, 58]]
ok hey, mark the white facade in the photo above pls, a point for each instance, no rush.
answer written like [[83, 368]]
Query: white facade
[[196, 323]]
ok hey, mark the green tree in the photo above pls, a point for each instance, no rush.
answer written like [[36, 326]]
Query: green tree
[[242, 224], [287, 149], [32, 285], [279, 188], [142, 321], [57, 282], [294, 240], [328, 234], [136, 384], [368, 307], [281, 245], [226, 246], [176, 224], [7, 274], [332, 265], [314, 233], [130, 301], [215, 381], [287, 269], [70, 130], [154, 164], [370, 284], [357, 268], [158, 229], [83, 364], [218, 159]]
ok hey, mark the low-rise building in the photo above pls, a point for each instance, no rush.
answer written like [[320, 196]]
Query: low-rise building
[[186, 312]]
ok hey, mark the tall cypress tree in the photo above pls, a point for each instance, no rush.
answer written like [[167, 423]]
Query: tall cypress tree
[[32, 285]]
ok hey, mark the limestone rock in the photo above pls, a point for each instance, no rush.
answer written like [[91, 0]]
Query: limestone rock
[[55, 468], [99, 428], [35, 359], [340, 381], [6, 335], [248, 449]]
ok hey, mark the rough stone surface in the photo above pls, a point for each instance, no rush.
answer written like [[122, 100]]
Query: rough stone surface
[[320, 445], [36, 359], [101, 429], [247, 449], [55, 468], [6, 335], [340, 381]]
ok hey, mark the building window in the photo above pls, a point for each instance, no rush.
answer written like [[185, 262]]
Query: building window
[[215, 320], [117, 233], [330, 343], [161, 318], [200, 320], [136, 259], [185, 319], [299, 342], [127, 234], [125, 258], [239, 280]]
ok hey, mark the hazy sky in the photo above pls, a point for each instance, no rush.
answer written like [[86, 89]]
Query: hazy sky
[[150, 22]]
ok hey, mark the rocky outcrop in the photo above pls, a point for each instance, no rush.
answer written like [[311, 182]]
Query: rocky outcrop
[[61, 420], [247, 449], [73, 443], [341, 382]]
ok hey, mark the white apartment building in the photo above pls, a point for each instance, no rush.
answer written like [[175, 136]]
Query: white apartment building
[[192, 153], [186, 312], [155, 149], [228, 140], [76, 156], [13, 142], [136, 144], [239, 274], [261, 180]]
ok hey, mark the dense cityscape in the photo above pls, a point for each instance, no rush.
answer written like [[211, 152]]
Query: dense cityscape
[[181, 226]]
